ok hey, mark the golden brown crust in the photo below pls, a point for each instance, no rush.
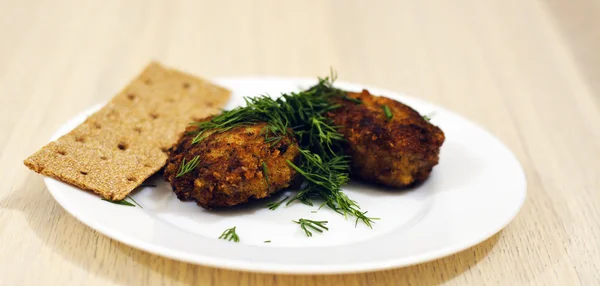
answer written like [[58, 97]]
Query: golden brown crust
[[122, 144], [397, 152], [230, 171]]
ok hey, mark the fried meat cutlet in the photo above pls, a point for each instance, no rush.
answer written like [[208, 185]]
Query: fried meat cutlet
[[234, 166], [395, 152]]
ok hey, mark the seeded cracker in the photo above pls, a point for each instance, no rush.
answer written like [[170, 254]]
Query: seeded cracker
[[122, 144]]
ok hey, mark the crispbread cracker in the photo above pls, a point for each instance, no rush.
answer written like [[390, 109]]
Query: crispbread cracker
[[124, 143]]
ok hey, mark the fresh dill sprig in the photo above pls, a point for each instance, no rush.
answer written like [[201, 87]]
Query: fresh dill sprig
[[124, 202], [305, 224], [120, 202], [388, 113], [274, 205], [355, 100], [186, 167], [325, 179], [428, 117], [135, 202], [322, 163], [229, 234], [275, 138]]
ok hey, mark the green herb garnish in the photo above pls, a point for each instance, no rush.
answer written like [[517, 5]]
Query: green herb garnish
[[275, 138], [388, 113], [186, 167], [324, 179], [229, 234], [305, 224], [135, 202], [120, 202], [428, 116], [355, 100], [273, 205], [267, 241], [322, 163], [124, 202]]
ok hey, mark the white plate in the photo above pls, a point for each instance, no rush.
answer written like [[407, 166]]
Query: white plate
[[475, 191]]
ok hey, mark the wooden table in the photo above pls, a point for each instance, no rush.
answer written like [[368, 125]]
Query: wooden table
[[512, 66]]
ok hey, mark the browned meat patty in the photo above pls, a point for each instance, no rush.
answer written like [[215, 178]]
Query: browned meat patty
[[230, 169], [395, 152]]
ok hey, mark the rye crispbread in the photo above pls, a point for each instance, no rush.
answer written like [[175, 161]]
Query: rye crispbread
[[122, 144]]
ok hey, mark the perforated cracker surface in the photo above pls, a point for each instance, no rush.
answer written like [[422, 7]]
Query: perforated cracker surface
[[124, 143]]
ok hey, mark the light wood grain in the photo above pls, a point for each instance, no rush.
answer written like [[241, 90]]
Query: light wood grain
[[578, 22], [505, 64]]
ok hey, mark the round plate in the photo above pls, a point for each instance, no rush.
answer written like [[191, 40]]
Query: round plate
[[476, 190]]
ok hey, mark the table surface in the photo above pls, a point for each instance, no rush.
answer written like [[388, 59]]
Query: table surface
[[520, 68]]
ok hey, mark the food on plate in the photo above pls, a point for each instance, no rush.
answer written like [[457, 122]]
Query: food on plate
[[125, 142], [230, 235], [218, 179], [307, 225], [388, 142], [230, 167], [338, 133], [310, 141]]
